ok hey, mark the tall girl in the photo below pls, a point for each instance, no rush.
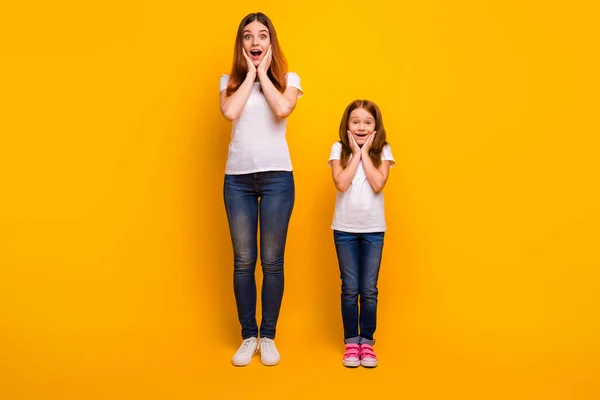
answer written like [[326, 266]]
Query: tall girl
[[257, 97]]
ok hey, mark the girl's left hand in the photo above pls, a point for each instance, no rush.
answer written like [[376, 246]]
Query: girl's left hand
[[265, 63], [368, 143]]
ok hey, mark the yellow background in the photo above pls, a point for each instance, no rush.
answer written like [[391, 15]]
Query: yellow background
[[116, 265]]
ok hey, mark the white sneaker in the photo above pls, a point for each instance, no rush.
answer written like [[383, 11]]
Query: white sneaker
[[244, 354], [268, 352]]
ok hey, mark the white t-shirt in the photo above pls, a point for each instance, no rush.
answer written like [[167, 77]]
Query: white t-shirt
[[359, 209], [258, 137]]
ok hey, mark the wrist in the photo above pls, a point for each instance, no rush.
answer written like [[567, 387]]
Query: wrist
[[261, 73]]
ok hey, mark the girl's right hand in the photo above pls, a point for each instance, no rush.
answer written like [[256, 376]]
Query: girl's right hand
[[353, 145], [249, 63]]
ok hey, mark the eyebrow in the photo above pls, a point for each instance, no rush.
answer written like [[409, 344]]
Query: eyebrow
[[262, 30]]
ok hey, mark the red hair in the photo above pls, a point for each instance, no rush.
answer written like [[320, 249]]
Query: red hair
[[278, 69], [380, 137]]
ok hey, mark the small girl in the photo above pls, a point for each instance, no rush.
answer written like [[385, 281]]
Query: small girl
[[360, 163]]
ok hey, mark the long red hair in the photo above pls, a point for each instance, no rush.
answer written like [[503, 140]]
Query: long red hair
[[380, 136], [278, 69]]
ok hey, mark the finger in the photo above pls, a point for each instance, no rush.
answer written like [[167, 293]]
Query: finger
[[248, 60], [269, 56]]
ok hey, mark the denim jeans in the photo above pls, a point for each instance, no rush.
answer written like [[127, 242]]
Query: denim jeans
[[265, 198], [359, 258]]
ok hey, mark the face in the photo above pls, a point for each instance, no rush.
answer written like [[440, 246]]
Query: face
[[361, 124], [256, 41]]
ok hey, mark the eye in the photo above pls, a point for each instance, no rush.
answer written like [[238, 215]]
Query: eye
[[246, 37], [263, 36]]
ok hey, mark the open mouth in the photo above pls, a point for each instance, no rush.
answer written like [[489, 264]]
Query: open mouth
[[361, 134], [255, 54]]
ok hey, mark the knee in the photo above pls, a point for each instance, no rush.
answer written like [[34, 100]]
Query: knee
[[244, 262], [369, 292], [349, 291], [271, 258], [272, 265]]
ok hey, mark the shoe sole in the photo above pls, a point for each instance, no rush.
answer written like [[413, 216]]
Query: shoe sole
[[244, 364], [239, 365], [369, 364], [269, 364], [351, 364]]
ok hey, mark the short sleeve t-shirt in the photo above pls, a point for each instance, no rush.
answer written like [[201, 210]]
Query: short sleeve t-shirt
[[359, 209], [258, 141]]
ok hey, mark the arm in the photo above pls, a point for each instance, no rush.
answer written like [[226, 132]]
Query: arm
[[282, 104], [377, 177], [232, 106], [342, 177]]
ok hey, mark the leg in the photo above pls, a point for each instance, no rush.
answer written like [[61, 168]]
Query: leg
[[371, 249], [276, 205], [346, 246], [241, 204]]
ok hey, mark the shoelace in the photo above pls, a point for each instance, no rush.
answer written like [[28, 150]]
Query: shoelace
[[246, 346], [268, 347]]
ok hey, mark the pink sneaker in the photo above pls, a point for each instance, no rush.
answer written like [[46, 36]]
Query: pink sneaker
[[351, 356], [367, 356]]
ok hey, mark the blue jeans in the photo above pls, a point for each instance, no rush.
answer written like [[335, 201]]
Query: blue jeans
[[359, 257], [266, 198]]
